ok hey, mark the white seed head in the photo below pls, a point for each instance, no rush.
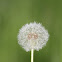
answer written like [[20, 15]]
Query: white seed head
[[33, 36]]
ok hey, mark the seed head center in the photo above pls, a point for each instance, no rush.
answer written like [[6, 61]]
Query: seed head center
[[32, 36]]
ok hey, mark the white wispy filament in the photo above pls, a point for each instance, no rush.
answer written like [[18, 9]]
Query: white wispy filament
[[33, 36]]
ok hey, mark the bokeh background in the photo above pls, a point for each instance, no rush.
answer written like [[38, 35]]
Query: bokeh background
[[16, 13]]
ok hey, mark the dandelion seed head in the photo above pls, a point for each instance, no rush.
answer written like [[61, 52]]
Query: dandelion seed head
[[33, 36]]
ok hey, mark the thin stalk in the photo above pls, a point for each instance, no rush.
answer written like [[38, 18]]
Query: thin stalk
[[32, 53]]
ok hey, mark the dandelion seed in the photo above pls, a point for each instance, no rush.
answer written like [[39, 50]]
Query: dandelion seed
[[32, 37]]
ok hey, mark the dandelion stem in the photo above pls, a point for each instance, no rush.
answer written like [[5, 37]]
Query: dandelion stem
[[32, 52]]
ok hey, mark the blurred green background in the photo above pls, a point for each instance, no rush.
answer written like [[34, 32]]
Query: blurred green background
[[15, 13]]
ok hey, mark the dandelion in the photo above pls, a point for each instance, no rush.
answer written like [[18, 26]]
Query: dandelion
[[32, 37]]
